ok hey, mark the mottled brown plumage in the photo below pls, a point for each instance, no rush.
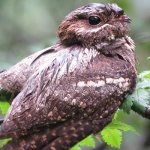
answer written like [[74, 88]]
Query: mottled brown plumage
[[73, 88]]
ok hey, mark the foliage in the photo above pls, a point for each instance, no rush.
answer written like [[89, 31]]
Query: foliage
[[89, 142], [4, 107], [113, 133], [3, 142], [141, 93]]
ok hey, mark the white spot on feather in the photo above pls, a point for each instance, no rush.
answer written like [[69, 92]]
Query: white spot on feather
[[121, 82], [109, 80], [101, 83], [81, 84], [90, 83], [74, 101]]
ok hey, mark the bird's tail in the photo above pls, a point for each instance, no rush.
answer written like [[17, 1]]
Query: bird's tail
[[59, 138]]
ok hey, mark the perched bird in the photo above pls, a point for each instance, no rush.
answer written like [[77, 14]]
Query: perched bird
[[72, 89]]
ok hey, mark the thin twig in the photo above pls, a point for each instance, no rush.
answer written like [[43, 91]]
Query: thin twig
[[102, 146]]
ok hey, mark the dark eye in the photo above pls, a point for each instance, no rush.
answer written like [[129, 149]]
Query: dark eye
[[94, 20]]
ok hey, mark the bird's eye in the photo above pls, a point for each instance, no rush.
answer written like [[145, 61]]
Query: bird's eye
[[94, 20]]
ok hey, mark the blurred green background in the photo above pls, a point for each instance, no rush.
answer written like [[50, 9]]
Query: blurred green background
[[27, 26]]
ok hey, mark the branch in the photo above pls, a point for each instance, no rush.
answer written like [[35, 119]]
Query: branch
[[101, 146], [141, 110]]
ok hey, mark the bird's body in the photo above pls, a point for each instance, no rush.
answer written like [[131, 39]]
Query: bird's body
[[79, 84]]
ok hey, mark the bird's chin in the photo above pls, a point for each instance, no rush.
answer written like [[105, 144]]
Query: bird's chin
[[122, 29]]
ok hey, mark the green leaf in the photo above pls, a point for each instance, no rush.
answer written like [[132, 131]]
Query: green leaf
[[112, 137], [115, 116], [112, 134], [3, 142], [76, 147], [144, 74], [121, 126], [144, 83], [141, 93], [4, 107], [143, 80], [148, 58], [127, 104], [89, 142], [142, 96]]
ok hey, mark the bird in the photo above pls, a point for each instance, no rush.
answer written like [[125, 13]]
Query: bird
[[72, 89]]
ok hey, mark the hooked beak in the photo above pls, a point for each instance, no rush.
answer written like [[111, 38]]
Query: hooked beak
[[125, 18]]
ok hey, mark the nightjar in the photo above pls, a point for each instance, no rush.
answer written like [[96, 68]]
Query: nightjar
[[72, 89]]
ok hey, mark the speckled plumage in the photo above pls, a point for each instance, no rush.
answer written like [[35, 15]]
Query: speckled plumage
[[72, 89]]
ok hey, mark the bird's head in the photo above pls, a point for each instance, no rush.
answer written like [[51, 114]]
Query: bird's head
[[92, 24]]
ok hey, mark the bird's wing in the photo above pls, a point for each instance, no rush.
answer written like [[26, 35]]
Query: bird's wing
[[70, 86], [13, 79], [47, 96]]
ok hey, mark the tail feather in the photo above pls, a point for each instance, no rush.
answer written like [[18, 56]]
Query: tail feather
[[76, 132], [70, 136], [32, 142], [59, 138], [62, 136]]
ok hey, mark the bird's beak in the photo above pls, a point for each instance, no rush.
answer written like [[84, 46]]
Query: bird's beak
[[125, 18]]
